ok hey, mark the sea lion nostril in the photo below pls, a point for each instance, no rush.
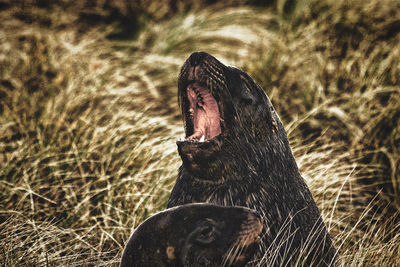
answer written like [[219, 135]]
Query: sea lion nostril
[[196, 58]]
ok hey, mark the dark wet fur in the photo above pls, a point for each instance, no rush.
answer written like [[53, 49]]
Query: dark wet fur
[[195, 235], [251, 165]]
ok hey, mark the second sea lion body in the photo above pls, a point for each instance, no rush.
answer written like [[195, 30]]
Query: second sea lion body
[[194, 235]]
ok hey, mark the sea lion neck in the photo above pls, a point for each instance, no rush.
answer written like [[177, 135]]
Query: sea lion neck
[[233, 163]]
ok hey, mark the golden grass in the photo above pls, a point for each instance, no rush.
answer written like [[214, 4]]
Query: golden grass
[[89, 117]]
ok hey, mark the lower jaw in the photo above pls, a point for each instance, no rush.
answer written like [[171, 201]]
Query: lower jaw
[[200, 144], [199, 155]]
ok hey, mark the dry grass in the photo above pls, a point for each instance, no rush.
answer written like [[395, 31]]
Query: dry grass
[[89, 118]]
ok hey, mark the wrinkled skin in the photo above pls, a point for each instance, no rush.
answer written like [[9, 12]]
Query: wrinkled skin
[[195, 235], [249, 163]]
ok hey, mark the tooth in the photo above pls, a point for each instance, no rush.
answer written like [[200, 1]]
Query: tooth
[[202, 139]]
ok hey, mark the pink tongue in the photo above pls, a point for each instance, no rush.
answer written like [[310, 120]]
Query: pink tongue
[[204, 111]]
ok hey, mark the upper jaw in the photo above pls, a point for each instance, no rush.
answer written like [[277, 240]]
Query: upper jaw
[[205, 123], [201, 112]]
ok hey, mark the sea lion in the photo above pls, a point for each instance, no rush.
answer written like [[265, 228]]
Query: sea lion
[[236, 153], [195, 235]]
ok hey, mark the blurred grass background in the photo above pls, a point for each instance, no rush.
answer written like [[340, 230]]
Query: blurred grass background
[[89, 117]]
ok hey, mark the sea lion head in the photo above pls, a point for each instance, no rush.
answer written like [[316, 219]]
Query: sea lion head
[[223, 110], [197, 234]]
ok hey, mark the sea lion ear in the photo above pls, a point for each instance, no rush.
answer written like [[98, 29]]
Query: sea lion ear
[[272, 119]]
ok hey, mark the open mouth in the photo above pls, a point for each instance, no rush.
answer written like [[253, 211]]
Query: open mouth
[[202, 115]]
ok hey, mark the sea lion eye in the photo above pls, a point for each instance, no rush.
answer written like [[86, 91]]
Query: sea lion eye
[[247, 101], [206, 232], [206, 235], [247, 98]]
